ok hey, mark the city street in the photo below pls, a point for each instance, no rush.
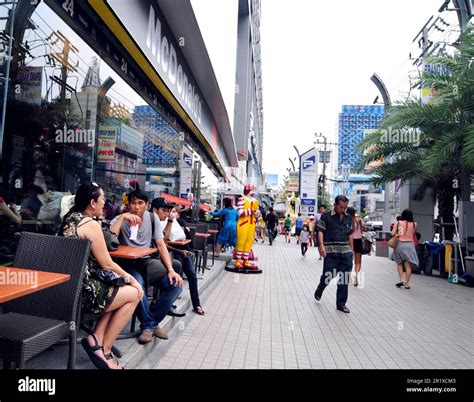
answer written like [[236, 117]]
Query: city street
[[272, 321]]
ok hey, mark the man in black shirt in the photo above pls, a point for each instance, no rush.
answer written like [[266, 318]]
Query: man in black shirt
[[272, 222], [336, 247]]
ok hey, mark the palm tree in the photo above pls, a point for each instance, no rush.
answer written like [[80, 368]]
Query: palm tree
[[444, 129]]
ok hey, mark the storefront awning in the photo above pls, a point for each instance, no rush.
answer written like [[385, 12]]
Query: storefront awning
[[172, 199]]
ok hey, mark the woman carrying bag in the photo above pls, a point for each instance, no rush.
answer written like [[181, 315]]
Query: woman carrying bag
[[404, 252]]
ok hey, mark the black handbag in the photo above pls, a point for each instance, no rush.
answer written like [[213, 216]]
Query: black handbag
[[111, 239], [106, 275], [366, 246]]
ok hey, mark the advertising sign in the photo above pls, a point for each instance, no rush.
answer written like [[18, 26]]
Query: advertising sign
[[30, 81], [293, 182], [185, 170], [107, 142], [309, 181]]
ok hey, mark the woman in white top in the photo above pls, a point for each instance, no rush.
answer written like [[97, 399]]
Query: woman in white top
[[179, 231], [357, 236]]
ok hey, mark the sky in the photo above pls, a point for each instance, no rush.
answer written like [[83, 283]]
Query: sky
[[316, 56]]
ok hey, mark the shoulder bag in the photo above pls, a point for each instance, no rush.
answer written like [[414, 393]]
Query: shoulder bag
[[392, 243]]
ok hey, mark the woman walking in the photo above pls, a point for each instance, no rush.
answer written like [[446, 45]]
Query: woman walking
[[405, 252], [228, 234], [357, 236], [304, 238]]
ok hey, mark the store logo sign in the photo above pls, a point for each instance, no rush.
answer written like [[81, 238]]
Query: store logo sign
[[187, 159], [309, 162], [168, 60]]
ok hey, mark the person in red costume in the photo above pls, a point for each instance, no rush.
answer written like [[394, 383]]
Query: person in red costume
[[247, 209]]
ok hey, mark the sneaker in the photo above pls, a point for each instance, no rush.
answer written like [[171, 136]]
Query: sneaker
[[145, 337], [317, 295], [159, 333], [344, 309]]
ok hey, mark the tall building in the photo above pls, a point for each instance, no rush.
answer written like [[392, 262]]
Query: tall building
[[248, 107], [353, 121], [162, 143]]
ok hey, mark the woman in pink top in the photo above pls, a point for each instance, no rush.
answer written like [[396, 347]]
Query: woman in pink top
[[357, 236], [405, 251]]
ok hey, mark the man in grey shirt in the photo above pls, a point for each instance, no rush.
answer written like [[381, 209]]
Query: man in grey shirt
[[162, 272]]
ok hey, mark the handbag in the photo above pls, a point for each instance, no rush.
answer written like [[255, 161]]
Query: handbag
[[110, 238], [392, 243], [107, 276], [366, 246]]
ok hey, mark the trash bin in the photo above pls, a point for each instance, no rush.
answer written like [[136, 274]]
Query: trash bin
[[381, 244], [434, 258]]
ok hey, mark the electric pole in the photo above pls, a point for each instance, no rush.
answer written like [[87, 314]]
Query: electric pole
[[63, 58], [325, 159]]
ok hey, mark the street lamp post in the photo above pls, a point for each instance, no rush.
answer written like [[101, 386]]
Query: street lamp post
[[299, 169], [292, 164]]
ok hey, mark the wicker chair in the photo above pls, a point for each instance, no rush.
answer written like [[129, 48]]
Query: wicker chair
[[33, 323]]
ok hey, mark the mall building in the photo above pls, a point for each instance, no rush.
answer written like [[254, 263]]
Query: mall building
[[114, 92]]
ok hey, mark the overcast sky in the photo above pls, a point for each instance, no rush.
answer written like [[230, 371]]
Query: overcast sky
[[316, 56]]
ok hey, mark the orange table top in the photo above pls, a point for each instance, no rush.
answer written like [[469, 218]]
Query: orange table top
[[178, 242], [17, 282], [132, 252], [213, 231], [202, 234]]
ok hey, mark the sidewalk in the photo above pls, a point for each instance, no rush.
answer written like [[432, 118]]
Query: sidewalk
[[133, 352], [272, 320]]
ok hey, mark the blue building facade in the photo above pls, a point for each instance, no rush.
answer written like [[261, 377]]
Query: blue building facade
[[353, 121], [161, 143]]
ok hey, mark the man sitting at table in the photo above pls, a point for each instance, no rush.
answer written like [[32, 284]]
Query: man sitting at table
[[163, 272], [175, 228]]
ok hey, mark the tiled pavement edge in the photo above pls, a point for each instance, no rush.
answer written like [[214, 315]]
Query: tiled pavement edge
[[133, 352], [273, 321]]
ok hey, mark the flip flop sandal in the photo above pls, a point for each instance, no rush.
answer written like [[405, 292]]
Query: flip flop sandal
[[96, 360], [109, 356], [400, 284]]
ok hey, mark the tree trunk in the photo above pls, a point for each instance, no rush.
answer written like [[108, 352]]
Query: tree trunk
[[446, 195]]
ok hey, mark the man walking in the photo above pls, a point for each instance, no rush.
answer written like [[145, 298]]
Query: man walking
[[336, 247], [298, 227], [272, 221]]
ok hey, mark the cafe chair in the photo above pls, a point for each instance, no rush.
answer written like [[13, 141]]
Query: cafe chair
[[33, 323]]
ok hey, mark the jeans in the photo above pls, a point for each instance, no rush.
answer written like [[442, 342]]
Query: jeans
[[304, 248], [335, 264], [190, 272], [151, 316], [270, 234]]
